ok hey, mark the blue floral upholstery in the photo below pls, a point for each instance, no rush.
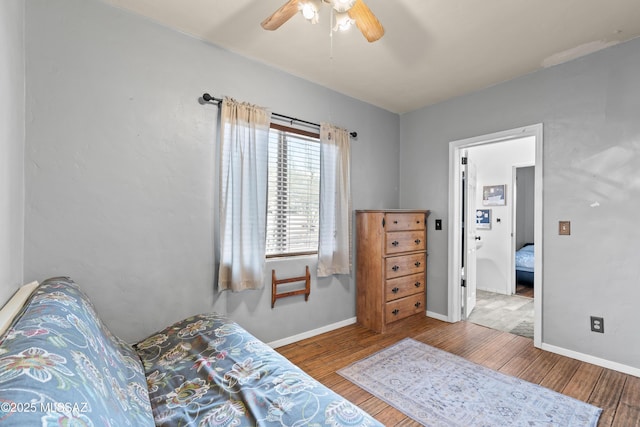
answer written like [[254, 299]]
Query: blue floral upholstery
[[60, 366], [208, 371]]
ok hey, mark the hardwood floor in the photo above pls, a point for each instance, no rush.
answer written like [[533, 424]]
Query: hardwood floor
[[524, 290], [321, 356]]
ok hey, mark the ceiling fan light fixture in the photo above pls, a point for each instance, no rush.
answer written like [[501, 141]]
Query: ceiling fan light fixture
[[358, 12], [342, 6], [343, 21], [310, 9]]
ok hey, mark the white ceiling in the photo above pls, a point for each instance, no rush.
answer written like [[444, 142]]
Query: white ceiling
[[432, 50]]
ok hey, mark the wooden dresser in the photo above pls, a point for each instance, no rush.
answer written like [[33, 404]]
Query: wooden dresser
[[391, 266]]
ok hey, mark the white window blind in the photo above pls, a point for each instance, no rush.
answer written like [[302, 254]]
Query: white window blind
[[293, 192]]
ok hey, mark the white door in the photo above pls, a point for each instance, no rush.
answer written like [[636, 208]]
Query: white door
[[469, 236]]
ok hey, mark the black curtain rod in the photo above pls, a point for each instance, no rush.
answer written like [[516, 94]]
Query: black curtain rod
[[210, 98]]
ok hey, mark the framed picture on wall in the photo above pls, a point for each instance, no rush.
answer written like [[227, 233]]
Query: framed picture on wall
[[483, 219], [494, 195]]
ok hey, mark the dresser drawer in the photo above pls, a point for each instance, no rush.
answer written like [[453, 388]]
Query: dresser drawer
[[404, 221], [404, 307], [405, 241], [404, 265], [404, 286]]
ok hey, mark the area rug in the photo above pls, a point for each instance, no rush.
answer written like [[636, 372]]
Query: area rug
[[437, 388]]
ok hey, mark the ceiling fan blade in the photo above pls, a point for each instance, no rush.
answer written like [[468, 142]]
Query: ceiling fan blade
[[280, 16], [366, 21]]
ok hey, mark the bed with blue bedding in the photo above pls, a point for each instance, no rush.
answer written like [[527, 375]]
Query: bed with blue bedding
[[525, 263]]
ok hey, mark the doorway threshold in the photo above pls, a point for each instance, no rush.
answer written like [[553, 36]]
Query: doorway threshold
[[507, 313]]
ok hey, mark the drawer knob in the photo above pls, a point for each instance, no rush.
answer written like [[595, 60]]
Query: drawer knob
[[395, 243], [395, 290], [418, 304], [395, 268], [417, 241], [417, 284], [395, 312], [417, 264]]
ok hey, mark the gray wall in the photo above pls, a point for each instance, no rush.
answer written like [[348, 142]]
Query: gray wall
[[12, 122], [589, 108], [122, 159], [525, 224]]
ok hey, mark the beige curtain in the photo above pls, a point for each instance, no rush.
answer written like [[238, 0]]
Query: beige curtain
[[334, 248], [243, 193]]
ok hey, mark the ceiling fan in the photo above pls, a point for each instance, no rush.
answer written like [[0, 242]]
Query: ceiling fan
[[346, 12]]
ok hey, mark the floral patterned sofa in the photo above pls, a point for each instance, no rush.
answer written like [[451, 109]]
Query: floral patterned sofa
[[60, 366]]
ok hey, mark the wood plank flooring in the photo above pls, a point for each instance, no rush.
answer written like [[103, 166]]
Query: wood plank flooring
[[524, 290], [321, 356]]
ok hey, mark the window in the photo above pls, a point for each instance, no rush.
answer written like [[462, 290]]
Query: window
[[293, 192]]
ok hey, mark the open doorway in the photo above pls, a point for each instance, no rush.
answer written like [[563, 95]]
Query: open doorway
[[495, 235], [523, 184], [503, 210]]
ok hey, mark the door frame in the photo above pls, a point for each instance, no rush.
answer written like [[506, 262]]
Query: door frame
[[468, 252], [456, 149]]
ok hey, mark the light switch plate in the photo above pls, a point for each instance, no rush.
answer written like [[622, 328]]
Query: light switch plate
[[564, 228]]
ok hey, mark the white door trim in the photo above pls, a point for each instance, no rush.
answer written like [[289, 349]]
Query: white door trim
[[454, 235]]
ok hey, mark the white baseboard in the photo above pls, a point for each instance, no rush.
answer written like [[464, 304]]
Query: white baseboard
[[438, 316], [312, 333], [625, 369], [500, 291], [333, 326], [592, 359]]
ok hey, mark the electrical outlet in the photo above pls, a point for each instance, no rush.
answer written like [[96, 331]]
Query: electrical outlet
[[597, 324]]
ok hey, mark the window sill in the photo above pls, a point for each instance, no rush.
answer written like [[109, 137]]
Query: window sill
[[307, 258]]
